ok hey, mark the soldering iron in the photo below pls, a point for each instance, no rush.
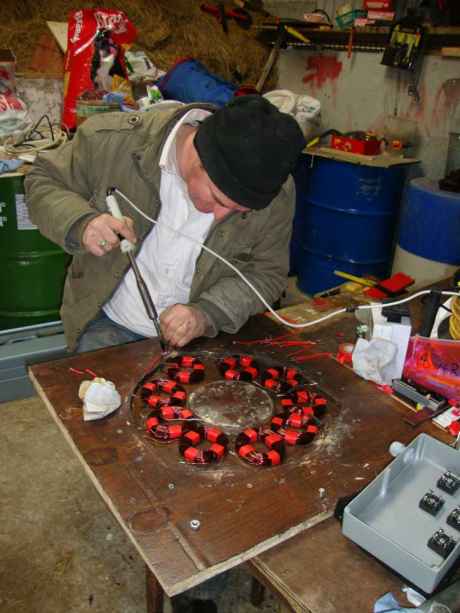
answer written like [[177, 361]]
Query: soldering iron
[[127, 247]]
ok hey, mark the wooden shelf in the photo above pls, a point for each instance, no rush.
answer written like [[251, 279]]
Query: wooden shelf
[[364, 39]]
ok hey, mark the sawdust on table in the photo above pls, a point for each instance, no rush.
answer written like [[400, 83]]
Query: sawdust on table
[[332, 437]]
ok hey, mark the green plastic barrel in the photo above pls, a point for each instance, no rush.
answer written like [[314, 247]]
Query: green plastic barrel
[[32, 269]]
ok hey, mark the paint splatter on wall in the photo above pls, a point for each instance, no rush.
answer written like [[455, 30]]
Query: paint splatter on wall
[[446, 101], [322, 68]]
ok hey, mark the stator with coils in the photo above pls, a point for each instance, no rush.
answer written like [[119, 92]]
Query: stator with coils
[[213, 405]]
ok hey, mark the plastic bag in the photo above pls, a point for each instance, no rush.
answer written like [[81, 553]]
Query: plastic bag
[[140, 67], [95, 60], [305, 109], [13, 116], [435, 365], [371, 358]]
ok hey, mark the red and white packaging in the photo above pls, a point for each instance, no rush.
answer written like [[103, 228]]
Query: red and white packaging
[[13, 115], [7, 72], [95, 62], [378, 5], [11, 104]]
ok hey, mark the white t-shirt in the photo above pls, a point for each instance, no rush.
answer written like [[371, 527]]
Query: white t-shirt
[[166, 260]]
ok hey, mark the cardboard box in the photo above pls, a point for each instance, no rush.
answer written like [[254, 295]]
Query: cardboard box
[[7, 72]]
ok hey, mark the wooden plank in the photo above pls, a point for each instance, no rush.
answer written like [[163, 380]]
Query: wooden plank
[[309, 310], [59, 31], [379, 161], [450, 51]]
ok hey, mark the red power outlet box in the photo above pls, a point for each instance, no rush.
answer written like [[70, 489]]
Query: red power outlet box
[[378, 5]]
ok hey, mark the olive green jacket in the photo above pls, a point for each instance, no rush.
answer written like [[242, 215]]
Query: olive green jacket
[[67, 188]]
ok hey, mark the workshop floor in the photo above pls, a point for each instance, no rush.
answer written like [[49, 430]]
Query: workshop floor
[[61, 549]]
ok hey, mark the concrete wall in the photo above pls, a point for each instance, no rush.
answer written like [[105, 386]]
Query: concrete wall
[[358, 93]]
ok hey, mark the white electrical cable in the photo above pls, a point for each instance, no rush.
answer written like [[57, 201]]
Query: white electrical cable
[[259, 295]]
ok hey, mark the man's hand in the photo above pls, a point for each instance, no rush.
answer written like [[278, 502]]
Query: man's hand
[[100, 235], [180, 324]]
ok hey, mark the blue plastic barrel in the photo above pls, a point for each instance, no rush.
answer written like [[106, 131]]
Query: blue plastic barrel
[[300, 175], [430, 222], [345, 220]]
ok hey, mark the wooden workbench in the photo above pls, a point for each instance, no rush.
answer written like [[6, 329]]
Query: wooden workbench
[[243, 511], [321, 571]]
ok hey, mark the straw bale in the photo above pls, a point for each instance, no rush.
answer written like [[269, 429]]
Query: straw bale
[[167, 31]]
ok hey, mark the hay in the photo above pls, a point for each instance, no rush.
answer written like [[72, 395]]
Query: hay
[[167, 30]]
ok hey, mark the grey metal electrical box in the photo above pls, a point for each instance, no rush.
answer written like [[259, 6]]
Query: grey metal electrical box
[[398, 516]]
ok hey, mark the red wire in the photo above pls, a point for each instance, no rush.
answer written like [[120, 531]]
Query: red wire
[[87, 371], [324, 354], [76, 371]]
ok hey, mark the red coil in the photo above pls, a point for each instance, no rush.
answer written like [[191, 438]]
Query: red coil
[[244, 446], [188, 376], [239, 368], [305, 428], [160, 430], [194, 435], [160, 392]]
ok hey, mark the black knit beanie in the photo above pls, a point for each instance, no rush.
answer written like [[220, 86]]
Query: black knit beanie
[[248, 148]]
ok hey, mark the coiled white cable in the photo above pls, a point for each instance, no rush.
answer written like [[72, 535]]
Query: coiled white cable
[[33, 140], [259, 295]]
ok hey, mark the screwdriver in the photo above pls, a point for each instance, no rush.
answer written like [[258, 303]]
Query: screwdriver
[[127, 247]]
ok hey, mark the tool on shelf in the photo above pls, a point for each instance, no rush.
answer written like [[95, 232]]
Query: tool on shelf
[[296, 34], [128, 247], [223, 14], [404, 50], [280, 42]]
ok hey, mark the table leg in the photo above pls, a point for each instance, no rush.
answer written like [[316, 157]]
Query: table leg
[[257, 592], [265, 584], [154, 592]]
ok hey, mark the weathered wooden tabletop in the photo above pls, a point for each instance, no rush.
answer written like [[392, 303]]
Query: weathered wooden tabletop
[[243, 511], [321, 571]]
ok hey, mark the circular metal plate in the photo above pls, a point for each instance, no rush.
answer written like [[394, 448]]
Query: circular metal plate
[[231, 405]]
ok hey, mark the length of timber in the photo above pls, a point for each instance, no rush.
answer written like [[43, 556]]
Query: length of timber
[[242, 510]]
